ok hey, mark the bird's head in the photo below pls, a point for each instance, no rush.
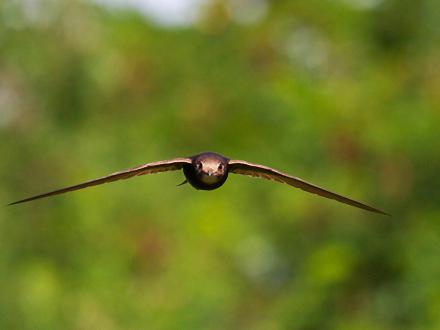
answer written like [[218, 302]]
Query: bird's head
[[210, 168]]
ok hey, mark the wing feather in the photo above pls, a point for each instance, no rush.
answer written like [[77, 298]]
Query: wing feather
[[257, 170], [150, 168]]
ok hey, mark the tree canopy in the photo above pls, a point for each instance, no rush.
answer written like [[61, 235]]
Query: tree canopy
[[342, 93]]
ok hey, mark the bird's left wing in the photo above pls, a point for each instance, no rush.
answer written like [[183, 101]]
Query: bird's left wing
[[256, 170], [161, 166]]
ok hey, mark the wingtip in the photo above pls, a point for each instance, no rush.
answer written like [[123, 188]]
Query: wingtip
[[22, 201], [14, 203], [382, 213]]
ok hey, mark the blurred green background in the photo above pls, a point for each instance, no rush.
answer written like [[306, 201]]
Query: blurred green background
[[343, 93]]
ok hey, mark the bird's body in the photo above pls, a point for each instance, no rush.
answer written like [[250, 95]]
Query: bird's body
[[209, 171]]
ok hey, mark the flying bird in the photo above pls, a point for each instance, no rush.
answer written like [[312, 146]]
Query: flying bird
[[208, 171]]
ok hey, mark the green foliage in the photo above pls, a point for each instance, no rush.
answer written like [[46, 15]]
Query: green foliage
[[342, 93]]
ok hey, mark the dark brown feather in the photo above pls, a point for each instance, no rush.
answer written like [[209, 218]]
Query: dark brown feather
[[256, 170], [156, 167]]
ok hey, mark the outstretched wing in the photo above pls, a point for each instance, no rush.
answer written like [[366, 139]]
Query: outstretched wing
[[256, 170], [162, 166]]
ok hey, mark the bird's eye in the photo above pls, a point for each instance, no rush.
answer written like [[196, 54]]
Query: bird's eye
[[220, 166], [199, 165]]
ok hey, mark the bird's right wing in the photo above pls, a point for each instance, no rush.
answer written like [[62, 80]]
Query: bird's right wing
[[161, 166], [257, 170]]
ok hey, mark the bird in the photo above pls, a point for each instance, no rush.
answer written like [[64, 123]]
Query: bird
[[209, 171]]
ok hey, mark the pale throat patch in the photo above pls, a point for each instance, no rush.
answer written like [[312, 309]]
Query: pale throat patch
[[209, 179]]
